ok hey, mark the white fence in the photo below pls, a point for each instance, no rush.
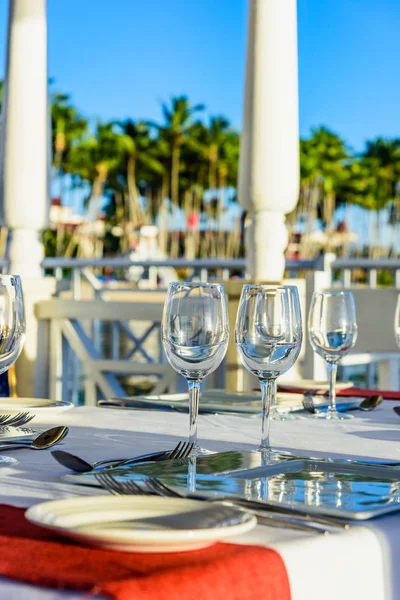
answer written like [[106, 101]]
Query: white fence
[[97, 347]]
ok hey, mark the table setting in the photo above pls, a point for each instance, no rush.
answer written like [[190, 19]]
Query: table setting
[[287, 487]]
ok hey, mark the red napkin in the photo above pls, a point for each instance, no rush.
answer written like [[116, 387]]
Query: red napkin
[[348, 392], [232, 572]]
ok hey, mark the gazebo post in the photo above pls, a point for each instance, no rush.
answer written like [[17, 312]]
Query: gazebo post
[[25, 164], [269, 156]]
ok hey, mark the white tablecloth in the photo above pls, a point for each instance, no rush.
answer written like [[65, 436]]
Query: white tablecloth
[[360, 563]]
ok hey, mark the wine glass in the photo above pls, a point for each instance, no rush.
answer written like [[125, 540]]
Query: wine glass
[[332, 329], [268, 337], [12, 320], [397, 322], [195, 334], [12, 330]]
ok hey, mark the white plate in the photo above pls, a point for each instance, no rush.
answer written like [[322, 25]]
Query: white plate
[[40, 407], [76, 518]]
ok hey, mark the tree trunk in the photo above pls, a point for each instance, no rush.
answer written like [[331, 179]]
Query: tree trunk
[[222, 242], [97, 189], [60, 145], [212, 174], [134, 212], [377, 249], [176, 155]]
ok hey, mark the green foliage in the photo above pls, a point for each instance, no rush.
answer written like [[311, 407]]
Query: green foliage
[[182, 155], [323, 156], [68, 126]]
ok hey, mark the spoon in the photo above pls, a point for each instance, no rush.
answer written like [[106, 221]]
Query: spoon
[[366, 405], [79, 465], [371, 402], [75, 463], [45, 440]]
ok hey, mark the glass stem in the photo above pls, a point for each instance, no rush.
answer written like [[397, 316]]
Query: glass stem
[[268, 399], [332, 372], [191, 481], [194, 397]]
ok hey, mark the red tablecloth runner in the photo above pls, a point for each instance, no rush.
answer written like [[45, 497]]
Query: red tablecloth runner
[[226, 571], [348, 392]]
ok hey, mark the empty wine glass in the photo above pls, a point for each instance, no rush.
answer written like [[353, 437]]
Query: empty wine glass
[[268, 337], [195, 334], [397, 322], [332, 329], [12, 320], [12, 329]]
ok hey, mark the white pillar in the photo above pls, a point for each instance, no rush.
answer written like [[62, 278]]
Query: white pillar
[[269, 156], [24, 149], [25, 166]]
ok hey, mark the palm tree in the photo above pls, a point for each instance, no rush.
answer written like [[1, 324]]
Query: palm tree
[[379, 171], [176, 131], [138, 151], [227, 170], [382, 157], [95, 158], [68, 126], [322, 169]]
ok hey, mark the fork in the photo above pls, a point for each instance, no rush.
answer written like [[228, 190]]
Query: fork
[[157, 486], [308, 403], [15, 420], [79, 465], [290, 519], [182, 450], [120, 488]]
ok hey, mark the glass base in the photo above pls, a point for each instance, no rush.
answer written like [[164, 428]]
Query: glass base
[[268, 455], [275, 415], [199, 451], [7, 461], [203, 452], [333, 415]]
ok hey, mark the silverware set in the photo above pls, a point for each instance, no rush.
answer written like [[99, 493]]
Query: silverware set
[[266, 513], [181, 451], [366, 405], [44, 440]]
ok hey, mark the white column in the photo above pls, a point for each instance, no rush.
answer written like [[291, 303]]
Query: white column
[[25, 167], [269, 157], [24, 148]]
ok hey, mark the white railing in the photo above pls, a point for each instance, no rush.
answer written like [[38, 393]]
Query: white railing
[[74, 329], [370, 266], [84, 356], [83, 269]]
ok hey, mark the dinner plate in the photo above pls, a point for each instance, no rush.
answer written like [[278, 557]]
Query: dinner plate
[[39, 407], [80, 519]]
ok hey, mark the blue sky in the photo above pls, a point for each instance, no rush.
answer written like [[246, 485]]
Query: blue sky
[[121, 58]]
